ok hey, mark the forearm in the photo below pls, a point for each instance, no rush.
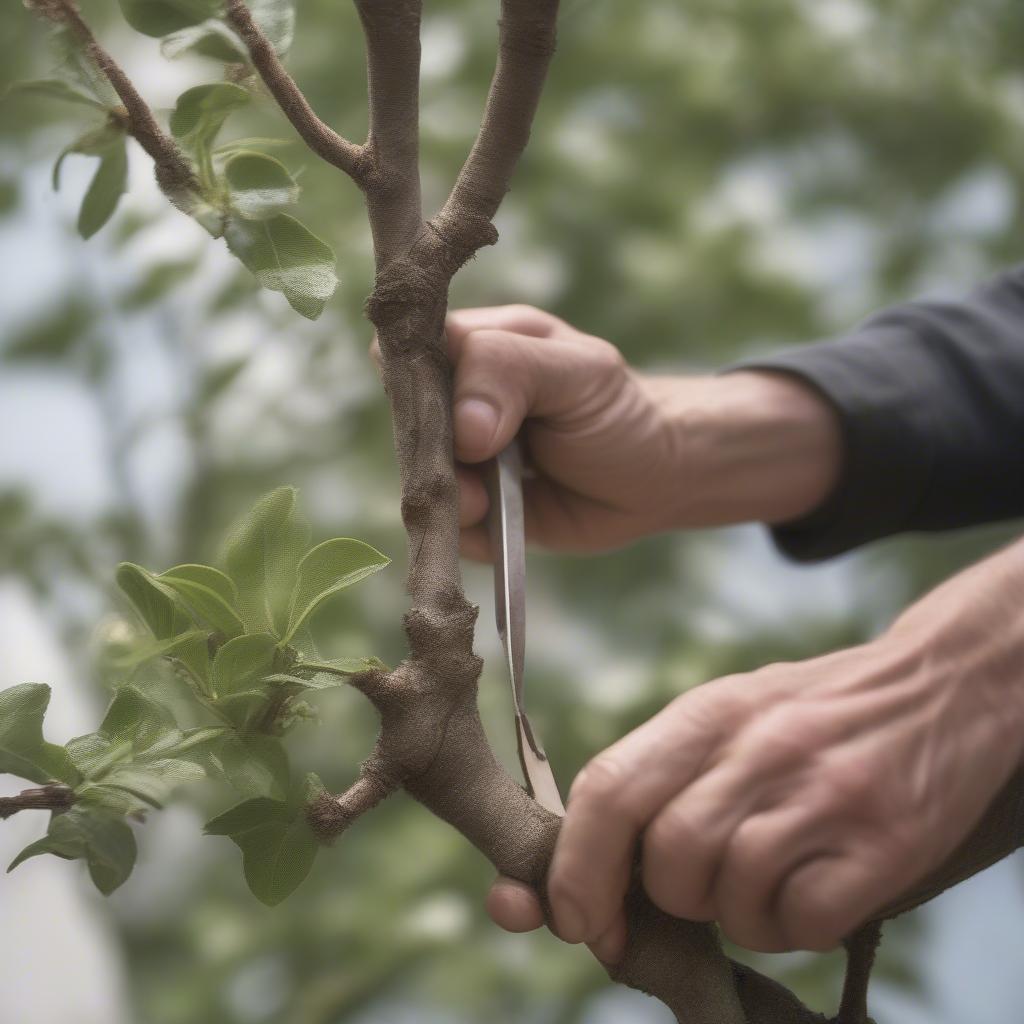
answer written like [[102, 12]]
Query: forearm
[[929, 397], [748, 446]]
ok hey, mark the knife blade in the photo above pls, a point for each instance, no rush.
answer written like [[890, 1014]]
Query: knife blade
[[508, 547]]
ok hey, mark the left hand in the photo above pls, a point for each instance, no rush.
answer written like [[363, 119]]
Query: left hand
[[791, 803]]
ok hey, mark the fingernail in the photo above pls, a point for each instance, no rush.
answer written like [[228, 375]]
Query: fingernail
[[476, 423], [570, 921]]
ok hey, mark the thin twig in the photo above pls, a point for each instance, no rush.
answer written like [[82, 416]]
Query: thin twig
[[44, 798], [324, 141], [173, 172], [329, 816]]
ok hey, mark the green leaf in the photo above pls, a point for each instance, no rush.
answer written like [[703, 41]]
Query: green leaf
[[106, 843], [213, 39], [157, 608], [161, 17], [190, 742], [242, 663], [208, 594], [154, 781], [242, 708], [56, 89], [202, 110], [209, 38], [250, 143], [287, 257], [328, 568], [23, 751], [93, 753], [330, 674], [261, 556], [254, 765], [93, 143], [278, 847], [134, 718], [260, 185], [105, 191]]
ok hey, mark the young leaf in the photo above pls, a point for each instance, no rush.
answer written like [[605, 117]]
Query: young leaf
[[241, 709], [105, 191], [56, 89], [278, 847], [153, 781], [242, 663], [202, 110], [156, 607], [23, 751], [277, 19], [106, 843], [260, 185], [261, 555], [330, 674], [208, 594], [210, 38], [254, 765], [328, 568], [134, 718], [287, 257], [161, 17]]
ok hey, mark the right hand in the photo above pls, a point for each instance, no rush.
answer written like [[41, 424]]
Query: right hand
[[619, 455], [593, 430]]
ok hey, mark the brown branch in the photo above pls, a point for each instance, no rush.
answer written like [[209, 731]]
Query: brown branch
[[324, 141], [173, 172], [861, 947], [526, 43], [329, 815], [44, 798], [392, 30]]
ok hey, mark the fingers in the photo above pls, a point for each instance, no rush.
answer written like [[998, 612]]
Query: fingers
[[502, 377], [611, 802], [514, 906], [519, 319]]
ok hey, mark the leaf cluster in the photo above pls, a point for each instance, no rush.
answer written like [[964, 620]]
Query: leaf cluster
[[239, 638], [242, 192]]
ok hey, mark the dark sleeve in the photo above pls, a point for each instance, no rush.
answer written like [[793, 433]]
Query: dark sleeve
[[930, 396]]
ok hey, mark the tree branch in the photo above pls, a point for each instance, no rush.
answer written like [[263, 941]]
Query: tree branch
[[44, 798], [173, 172], [526, 44], [329, 815], [392, 30], [324, 141]]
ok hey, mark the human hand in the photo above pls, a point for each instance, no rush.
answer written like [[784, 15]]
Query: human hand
[[792, 803], [618, 454]]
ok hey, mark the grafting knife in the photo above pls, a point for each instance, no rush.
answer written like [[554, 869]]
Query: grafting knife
[[508, 547]]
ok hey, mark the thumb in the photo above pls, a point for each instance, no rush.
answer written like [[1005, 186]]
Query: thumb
[[501, 378]]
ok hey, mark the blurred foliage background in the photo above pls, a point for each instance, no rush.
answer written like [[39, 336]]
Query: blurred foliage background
[[704, 180]]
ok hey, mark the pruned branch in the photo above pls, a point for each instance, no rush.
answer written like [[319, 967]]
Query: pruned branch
[[526, 43], [42, 798], [329, 816], [320, 138], [173, 173]]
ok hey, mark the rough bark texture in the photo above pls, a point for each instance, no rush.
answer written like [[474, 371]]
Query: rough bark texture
[[432, 742]]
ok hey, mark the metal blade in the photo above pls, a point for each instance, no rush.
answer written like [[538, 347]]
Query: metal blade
[[508, 545]]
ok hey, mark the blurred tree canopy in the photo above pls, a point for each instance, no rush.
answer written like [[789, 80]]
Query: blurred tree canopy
[[704, 179]]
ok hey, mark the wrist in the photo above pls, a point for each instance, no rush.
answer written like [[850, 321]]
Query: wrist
[[747, 446]]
